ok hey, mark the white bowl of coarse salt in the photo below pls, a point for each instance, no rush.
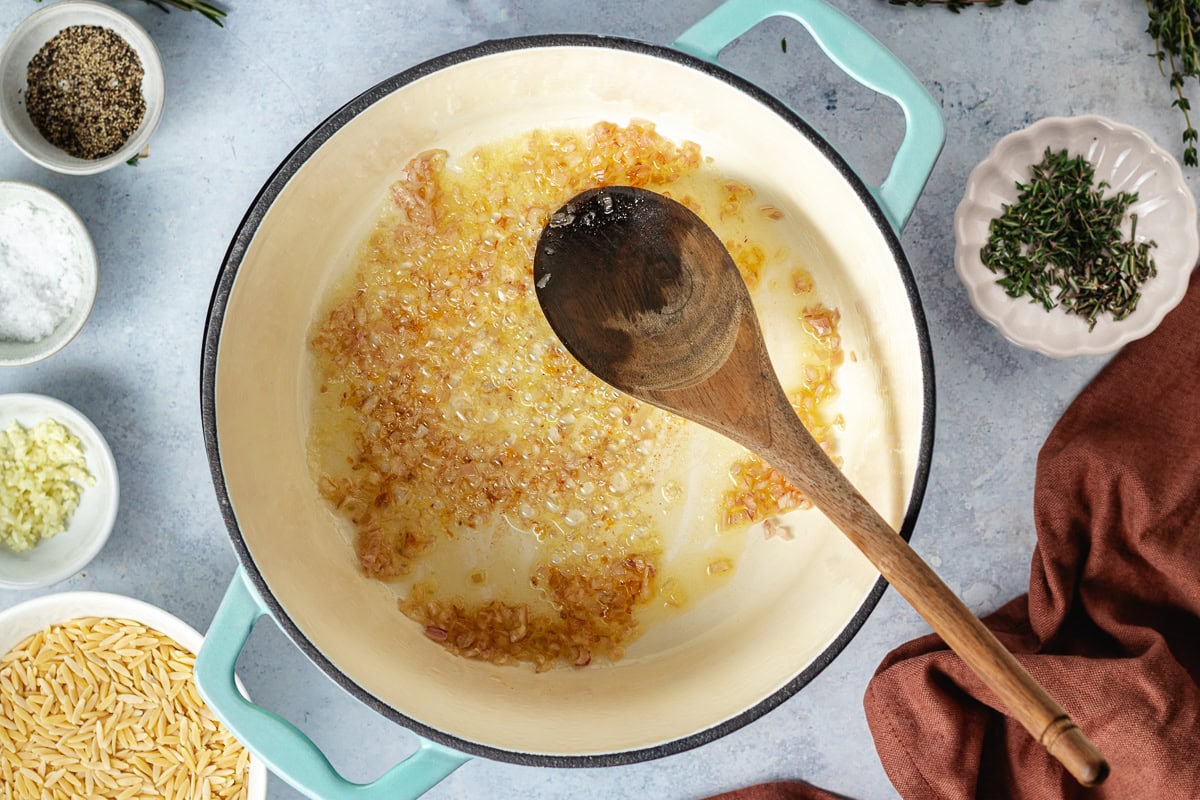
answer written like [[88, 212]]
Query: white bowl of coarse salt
[[47, 273]]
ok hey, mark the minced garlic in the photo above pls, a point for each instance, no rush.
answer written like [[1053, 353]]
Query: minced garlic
[[42, 474]]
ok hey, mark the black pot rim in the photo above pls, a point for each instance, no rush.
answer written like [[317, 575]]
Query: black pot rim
[[212, 332]]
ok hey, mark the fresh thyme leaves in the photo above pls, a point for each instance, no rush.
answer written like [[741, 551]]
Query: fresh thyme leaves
[[1061, 242], [1174, 26]]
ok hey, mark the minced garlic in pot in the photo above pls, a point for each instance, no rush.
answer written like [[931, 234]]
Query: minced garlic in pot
[[42, 474]]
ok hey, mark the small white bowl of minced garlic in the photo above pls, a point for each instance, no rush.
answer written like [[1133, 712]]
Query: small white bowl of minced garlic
[[58, 491]]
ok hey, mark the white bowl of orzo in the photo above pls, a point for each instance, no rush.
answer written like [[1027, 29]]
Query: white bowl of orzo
[[97, 697]]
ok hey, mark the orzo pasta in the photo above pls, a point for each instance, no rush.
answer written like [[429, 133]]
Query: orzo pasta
[[106, 709]]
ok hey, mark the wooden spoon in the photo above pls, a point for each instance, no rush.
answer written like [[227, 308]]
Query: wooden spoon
[[644, 294]]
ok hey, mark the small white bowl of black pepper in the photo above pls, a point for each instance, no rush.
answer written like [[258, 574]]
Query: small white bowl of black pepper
[[81, 87]]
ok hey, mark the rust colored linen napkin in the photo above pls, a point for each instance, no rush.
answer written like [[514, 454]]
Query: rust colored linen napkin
[[1111, 624]]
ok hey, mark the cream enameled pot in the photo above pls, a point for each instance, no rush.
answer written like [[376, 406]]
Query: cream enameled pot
[[790, 607]]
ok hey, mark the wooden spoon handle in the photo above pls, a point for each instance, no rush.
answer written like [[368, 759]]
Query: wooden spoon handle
[[801, 459]]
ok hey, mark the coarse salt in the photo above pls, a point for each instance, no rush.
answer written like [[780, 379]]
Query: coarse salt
[[40, 275]]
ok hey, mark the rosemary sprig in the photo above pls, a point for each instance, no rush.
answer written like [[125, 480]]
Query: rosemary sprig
[[207, 10], [1061, 243]]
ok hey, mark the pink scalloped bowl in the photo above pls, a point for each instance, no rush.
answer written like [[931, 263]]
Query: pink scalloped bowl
[[1129, 161]]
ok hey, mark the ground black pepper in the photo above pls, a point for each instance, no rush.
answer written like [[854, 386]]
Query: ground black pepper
[[85, 91]]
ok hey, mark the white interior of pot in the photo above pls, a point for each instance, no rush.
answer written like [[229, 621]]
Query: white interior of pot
[[787, 600]]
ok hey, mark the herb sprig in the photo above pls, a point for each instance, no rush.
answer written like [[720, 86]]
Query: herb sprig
[[1173, 26], [1061, 242], [206, 10], [955, 5]]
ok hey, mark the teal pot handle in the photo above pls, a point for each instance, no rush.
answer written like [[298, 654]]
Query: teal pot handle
[[861, 56], [286, 751]]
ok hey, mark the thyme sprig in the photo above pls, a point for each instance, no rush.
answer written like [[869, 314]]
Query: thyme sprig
[[1173, 26], [1061, 242]]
